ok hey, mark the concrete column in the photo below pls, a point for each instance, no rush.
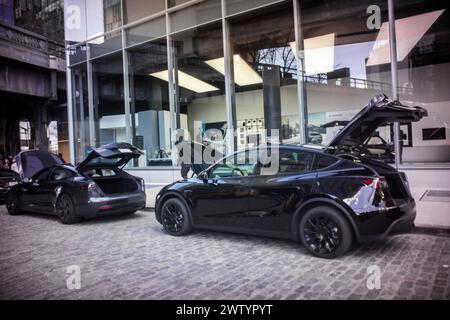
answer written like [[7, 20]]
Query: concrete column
[[272, 99], [40, 113]]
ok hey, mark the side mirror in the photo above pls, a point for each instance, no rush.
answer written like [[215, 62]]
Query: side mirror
[[203, 176]]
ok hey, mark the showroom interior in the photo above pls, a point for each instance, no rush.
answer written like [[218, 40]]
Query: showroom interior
[[138, 71]]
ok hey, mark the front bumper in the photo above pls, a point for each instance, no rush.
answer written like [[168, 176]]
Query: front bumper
[[3, 194], [101, 206], [380, 224]]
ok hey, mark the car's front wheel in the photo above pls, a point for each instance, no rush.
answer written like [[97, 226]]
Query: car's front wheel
[[325, 232], [12, 203], [175, 217], [66, 210]]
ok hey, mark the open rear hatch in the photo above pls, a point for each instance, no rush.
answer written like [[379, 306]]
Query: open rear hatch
[[101, 163], [378, 112], [113, 155]]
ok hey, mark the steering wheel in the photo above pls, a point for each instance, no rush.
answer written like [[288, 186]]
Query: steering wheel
[[238, 171]]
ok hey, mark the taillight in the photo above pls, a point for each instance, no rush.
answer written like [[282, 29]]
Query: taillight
[[381, 183], [378, 183], [89, 186]]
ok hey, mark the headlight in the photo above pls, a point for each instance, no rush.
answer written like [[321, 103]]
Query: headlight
[[143, 184]]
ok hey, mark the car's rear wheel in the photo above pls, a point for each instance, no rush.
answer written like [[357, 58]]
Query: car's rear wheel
[[66, 210], [175, 217], [12, 203], [325, 232]]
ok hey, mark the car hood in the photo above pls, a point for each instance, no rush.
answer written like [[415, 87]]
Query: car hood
[[30, 162], [378, 112], [113, 155]]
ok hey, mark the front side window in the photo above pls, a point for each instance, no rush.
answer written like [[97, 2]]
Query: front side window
[[41, 175], [60, 174], [240, 164]]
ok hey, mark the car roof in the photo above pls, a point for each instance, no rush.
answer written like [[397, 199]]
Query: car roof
[[65, 166], [292, 147]]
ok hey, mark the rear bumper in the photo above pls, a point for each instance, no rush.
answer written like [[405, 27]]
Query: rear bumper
[[101, 206], [381, 224]]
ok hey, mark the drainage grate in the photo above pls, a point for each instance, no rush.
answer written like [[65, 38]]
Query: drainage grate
[[436, 195]]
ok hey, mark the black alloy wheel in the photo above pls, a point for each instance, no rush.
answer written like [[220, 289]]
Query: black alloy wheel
[[12, 203], [325, 232], [65, 210], [175, 217]]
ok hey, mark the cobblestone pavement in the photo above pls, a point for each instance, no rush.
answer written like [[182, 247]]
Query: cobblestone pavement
[[130, 257]]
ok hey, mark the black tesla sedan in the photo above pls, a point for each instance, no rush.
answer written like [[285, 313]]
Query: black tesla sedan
[[96, 187], [326, 199], [8, 178]]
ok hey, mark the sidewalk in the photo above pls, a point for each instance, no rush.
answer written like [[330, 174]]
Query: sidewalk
[[152, 191]]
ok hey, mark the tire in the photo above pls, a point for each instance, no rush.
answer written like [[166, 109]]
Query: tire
[[65, 210], [12, 204], [325, 232], [175, 217]]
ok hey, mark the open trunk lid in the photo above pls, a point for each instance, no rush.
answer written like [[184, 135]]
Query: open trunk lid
[[378, 112], [113, 154]]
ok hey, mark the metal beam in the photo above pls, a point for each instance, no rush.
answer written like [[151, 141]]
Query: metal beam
[[230, 97], [301, 83], [394, 74]]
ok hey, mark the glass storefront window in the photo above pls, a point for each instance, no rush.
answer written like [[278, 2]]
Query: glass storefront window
[[134, 10], [105, 44], [236, 6], [203, 12], [173, 3], [80, 111], [200, 103], [345, 63], [423, 60], [149, 107], [108, 99], [146, 31], [265, 76]]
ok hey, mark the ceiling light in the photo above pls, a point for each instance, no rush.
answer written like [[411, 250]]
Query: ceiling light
[[408, 32], [318, 53], [186, 81], [244, 74]]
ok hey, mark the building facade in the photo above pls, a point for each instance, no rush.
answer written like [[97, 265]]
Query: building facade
[[139, 69], [33, 110]]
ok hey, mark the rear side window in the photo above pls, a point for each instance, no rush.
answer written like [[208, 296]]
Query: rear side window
[[322, 161], [295, 161]]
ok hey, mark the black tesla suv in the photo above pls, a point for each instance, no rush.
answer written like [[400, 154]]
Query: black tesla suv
[[326, 199]]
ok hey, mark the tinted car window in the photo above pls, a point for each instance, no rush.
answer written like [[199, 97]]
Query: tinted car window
[[322, 161], [59, 174], [100, 172], [7, 173], [41, 175], [295, 161], [239, 164]]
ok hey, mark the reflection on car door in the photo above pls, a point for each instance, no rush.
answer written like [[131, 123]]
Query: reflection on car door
[[224, 197], [30, 191], [273, 197], [47, 190]]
